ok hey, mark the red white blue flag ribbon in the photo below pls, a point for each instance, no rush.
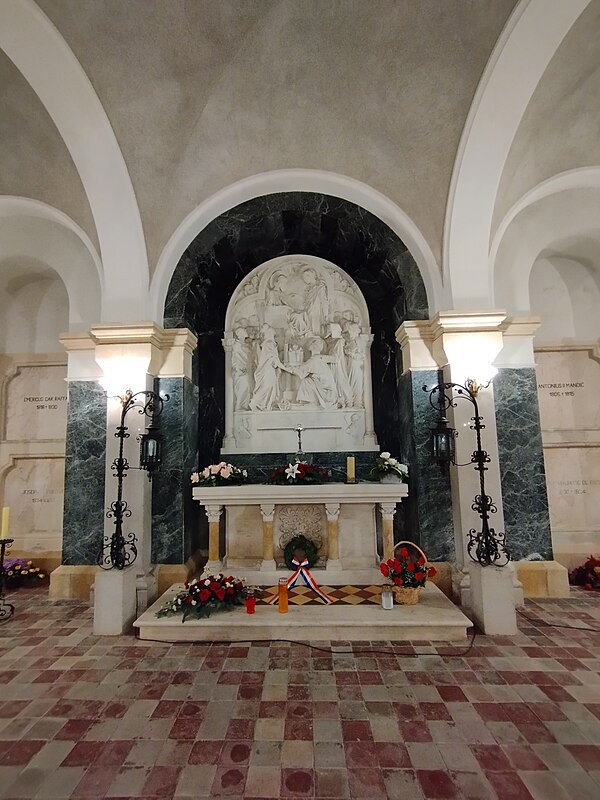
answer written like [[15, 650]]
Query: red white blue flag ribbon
[[303, 572]]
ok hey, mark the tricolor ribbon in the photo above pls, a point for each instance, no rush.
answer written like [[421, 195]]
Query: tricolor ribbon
[[303, 572]]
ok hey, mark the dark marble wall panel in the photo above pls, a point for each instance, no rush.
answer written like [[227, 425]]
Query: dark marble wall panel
[[429, 506], [522, 473], [290, 223], [173, 512], [261, 465], [83, 521]]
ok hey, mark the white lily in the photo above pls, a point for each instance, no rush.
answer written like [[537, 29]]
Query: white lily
[[292, 470]]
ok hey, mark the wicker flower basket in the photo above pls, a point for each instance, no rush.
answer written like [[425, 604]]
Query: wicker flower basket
[[406, 596]]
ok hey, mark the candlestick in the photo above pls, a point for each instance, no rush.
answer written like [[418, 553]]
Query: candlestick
[[5, 517], [350, 469]]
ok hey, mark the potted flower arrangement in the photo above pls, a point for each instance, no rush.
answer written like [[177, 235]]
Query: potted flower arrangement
[[388, 470], [407, 572], [299, 472], [221, 474], [20, 572], [204, 595]]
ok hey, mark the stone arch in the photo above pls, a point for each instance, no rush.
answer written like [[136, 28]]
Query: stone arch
[[287, 223], [36, 232], [40, 53], [520, 57], [541, 230], [298, 180]]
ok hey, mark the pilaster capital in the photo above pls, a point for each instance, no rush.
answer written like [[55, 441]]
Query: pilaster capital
[[267, 510], [415, 338], [387, 510], [213, 512], [333, 511]]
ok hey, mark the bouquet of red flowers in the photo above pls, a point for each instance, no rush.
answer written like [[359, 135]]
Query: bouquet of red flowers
[[299, 472], [587, 575], [407, 570], [203, 595]]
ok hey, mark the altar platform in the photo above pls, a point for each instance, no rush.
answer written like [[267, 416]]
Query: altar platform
[[356, 615]]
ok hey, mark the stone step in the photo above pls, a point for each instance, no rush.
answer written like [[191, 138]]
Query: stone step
[[434, 618]]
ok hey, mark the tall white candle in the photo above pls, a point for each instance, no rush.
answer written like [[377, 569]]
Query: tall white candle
[[5, 516], [350, 469]]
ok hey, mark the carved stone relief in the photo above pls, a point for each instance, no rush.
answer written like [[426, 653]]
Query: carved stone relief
[[300, 520], [297, 341]]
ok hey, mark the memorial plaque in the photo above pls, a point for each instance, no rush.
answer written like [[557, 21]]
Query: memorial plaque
[[34, 491], [568, 383], [36, 406]]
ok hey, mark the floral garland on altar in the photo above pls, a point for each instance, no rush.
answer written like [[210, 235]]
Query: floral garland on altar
[[221, 474], [204, 595], [299, 472]]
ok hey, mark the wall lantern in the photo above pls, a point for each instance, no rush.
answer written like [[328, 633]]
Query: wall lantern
[[486, 547], [120, 550]]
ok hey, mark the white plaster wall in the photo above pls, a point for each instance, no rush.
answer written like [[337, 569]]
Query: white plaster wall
[[203, 94], [35, 159]]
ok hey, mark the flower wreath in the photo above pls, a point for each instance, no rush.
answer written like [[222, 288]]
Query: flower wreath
[[310, 550]]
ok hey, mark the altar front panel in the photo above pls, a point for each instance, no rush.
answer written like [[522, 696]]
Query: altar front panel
[[357, 534]]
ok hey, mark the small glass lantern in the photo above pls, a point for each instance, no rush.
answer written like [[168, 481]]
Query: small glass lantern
[[150, 450], [442, 442]]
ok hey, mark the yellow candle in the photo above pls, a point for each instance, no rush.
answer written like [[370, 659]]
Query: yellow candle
[[5, 515], [350, 469]]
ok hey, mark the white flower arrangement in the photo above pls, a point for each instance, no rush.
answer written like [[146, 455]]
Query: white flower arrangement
[[221, 474], [385, 464]]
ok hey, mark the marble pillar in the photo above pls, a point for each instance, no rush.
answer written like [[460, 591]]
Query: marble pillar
[[84, 506], [175, 518], [522, 473]]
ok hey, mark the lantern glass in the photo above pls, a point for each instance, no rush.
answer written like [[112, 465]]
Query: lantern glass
[[150, 450], [442, 442]]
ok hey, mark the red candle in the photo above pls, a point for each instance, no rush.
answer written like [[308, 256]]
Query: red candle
[[250, 602]]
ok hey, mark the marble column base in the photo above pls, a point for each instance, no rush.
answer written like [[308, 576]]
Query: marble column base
[[114, 601], [213, 568], [72, 582], [492, 600], [543, 578], [268, 565]]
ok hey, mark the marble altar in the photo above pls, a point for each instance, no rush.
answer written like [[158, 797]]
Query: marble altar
[[258, 516]]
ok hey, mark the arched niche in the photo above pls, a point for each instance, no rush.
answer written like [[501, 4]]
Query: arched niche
[[293, 223]]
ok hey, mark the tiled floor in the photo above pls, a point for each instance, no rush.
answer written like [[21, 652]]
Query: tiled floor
[[88, 717]]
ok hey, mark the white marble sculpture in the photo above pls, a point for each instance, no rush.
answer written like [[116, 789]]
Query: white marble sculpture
[[297, 344]]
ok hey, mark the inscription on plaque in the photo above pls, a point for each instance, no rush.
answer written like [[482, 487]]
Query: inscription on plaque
[[37, 404]]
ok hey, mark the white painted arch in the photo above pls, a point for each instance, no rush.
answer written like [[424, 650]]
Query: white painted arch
[[522, 53], [39, 232], [553, 218], [302, 180], [45, 60]]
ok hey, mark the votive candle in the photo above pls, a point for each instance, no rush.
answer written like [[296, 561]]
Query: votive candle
[[5, 516], [350, 469], [283, 595]]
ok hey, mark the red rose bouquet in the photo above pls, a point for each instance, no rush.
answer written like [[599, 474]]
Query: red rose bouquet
[[406, 569], [203, 595], [299, 472]]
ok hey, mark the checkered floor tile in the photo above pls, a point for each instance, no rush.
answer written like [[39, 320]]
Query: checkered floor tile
[[513, 718], [302, 595]]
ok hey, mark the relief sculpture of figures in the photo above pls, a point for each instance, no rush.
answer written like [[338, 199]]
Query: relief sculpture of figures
[[355, 364], [266, 378], [316, 300], [317, 385], [242, 368]]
